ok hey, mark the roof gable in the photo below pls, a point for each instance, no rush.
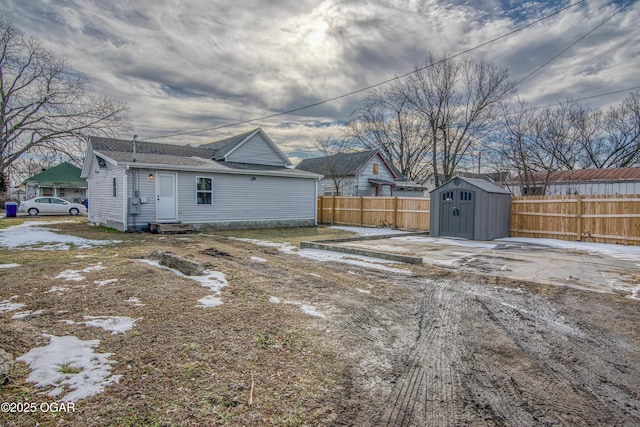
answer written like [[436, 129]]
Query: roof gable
[[342, 164], [224, 149]]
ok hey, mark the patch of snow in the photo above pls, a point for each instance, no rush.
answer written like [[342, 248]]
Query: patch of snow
[[213, 280], [34, 235], [311, 311], [68, 322], [28, 313], [135, 301], [258, 259], [308, 309], [210, 301], [368, 231], [9, 265], [46, 364], [282, 247], [634, 294], [318, 255], [113, 324], [57, 289], [363, 291], [7, 305], [104, 282], [74, 275]]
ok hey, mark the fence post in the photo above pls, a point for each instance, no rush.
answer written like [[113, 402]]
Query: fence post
[[361, 211], [579, 218], [395, 212], [333, 209]]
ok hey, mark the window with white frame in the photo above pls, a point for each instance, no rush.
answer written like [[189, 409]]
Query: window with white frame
[[204, 190]]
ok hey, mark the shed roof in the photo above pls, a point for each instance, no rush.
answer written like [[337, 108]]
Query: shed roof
[[63, 174], [483, 185]]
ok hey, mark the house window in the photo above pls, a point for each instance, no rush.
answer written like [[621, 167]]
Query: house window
[[47, 191], [204, 191], [61, 192], [101, 162], [114, 187], [376, 167]]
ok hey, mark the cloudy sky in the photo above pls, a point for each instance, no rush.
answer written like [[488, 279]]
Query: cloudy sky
[[187, 65]]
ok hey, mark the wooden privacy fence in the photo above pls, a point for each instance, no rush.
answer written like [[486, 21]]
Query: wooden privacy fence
[[406, 213], [602, 219]]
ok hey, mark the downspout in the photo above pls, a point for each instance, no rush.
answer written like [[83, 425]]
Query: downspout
[[315, 210], [125, 197]]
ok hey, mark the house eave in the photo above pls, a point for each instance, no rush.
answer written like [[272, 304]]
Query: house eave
[[139, 165]]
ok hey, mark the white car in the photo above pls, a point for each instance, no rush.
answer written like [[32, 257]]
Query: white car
[[51, 205]]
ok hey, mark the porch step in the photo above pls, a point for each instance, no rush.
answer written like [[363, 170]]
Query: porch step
[[170, 228]]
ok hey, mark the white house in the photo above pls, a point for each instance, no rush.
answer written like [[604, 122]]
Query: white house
[[362, 173], [240, 182]]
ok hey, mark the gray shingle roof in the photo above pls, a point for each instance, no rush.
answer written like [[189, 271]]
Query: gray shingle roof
[[177, 156], [344, 164], [224, 146]]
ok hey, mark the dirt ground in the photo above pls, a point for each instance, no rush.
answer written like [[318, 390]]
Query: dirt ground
[[426, 347]]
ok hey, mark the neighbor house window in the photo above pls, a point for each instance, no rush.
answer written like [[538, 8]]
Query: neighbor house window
[[204, 191], [61, 192], [375, 169], [114, 187]]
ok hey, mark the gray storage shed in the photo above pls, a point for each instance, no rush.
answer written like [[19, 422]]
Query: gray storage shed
[[470, 208]]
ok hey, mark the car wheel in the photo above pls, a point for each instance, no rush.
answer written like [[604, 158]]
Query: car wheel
[[33, 212], [74, 211]]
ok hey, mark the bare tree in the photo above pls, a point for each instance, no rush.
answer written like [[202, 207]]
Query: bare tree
[[386, 122], [332, 146], [45, 106], [460, 100], [611, 139]]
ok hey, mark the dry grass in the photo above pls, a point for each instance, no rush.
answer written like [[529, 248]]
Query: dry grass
[[181, 364]]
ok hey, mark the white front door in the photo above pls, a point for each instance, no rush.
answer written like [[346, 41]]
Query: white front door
[[166, 197]]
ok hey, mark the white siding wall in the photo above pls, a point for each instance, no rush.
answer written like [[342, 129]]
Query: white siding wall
[[103, 207], [239, 198], [256, 151], [588, 188], [236, 198]]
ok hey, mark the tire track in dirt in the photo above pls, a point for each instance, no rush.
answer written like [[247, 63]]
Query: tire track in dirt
[[429, 381]]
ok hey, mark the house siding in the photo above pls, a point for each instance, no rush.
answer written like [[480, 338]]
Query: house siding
[[238, 201], [384, 174], [109, 210], [256, 151]]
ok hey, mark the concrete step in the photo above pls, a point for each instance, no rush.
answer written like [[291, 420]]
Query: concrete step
[[170, 228]]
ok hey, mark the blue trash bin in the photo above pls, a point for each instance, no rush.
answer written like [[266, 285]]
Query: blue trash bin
[[11, 209]]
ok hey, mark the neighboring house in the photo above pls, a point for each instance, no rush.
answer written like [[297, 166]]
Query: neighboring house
[[585, 182], [363, 173], [239, 182], [62, 181]]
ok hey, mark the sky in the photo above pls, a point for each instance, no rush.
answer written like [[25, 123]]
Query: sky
[[183, 66]]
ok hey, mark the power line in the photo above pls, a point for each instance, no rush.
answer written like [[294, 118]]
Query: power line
[[575, 100], [345, 95], [574, 43]]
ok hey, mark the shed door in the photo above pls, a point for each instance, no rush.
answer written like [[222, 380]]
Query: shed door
[[457, 213]]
